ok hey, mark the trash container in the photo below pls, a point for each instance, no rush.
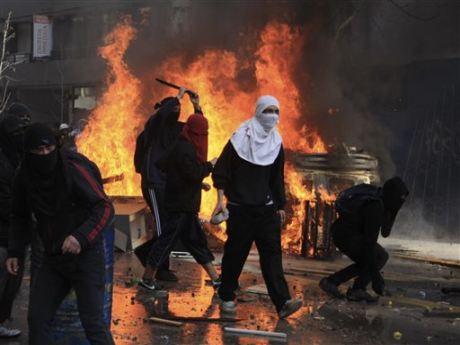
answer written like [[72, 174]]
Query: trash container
[[66, 326]]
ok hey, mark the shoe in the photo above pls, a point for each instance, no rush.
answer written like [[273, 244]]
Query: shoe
[[330, 288], [360, 295], [149, 284], [166, 276], [216, 283], [289, 308], [228, 306], [9, 332]]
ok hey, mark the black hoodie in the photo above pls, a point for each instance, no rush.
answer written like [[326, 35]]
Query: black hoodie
[[10, 156], [81, 207], [160, 133]]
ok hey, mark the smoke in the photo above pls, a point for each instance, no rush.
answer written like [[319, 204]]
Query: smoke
[[412, 223], [332, 80], [345, 40]]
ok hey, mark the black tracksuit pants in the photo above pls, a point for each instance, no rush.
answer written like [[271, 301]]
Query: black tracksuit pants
[[262, 226], [364, 269], [186, 227], [56, 276], [154, 197]]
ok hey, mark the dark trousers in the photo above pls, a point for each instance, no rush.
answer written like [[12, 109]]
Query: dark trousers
[[186, 227], [262, 226], [9, 285], [364, 268], [154, 197], [56, 276]]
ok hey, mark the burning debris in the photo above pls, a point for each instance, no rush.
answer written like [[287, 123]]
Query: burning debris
[[323, 177]]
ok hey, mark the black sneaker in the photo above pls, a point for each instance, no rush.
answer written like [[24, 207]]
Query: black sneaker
[[166, 276], [330, 288], [6, 332], [149, 284], [289, 308], [359, 295]]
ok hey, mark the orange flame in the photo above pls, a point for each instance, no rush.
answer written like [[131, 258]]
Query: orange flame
[[226, 105], [299, 193], [110, 136]]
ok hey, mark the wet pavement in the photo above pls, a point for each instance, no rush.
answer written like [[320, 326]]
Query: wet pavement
[[417, 313]]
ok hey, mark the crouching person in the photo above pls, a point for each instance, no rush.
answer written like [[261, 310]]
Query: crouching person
[[62, 190], [364, 210]]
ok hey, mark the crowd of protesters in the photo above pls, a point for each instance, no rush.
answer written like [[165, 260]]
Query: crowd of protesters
[[52, 195]]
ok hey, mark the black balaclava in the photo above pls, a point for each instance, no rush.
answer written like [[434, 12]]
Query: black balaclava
[[20, 110], [12, 138], [37, 135], [394, 193], [43, 171], [167, 127]]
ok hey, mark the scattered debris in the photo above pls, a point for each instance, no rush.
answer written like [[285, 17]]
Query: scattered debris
[[254, 332], [166, 321], [260, 289], [202, 319], [318, 317], [397, 335], [181, 255]]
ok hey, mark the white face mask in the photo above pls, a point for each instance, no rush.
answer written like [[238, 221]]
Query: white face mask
[[268, 121]]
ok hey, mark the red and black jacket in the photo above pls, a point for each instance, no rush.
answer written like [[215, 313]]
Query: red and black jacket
[[84, 210]]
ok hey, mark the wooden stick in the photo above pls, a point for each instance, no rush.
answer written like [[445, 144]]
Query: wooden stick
[[165, 321], [203, 319], [254, 332]]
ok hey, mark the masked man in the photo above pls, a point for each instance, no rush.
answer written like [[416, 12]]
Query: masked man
[[250, 173], [63, 190], [11, 142], [364, 211]]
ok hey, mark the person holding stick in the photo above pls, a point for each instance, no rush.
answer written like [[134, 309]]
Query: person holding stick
[[185, 166]]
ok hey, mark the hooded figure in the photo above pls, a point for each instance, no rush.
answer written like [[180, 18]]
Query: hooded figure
[[364, 211], [11, 138], [185, 166], [257, 140], [11, 143], [21, 110], [158, 138], [63, 191], [394, 193], [44, 171], [250, 173], [196, 132]]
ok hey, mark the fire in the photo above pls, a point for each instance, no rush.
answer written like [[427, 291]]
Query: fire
[[325, 195], [296, 189], [214, 76], [109, 138]]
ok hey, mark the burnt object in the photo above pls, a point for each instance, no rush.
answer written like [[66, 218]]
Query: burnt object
[[328, 174]]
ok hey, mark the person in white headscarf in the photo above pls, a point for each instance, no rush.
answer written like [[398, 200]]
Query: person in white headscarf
[[250, 173]]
